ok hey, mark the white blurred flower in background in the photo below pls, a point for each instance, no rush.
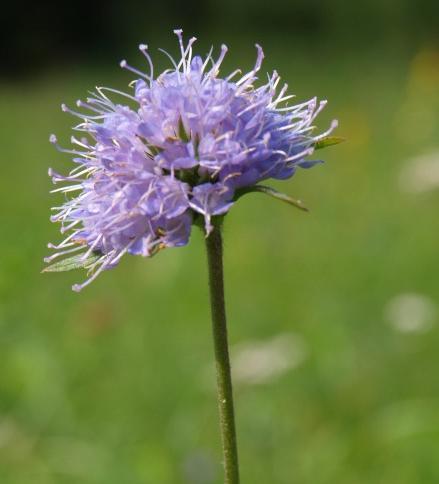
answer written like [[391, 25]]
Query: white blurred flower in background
[[420, 174], [411, 313], [256, 362]]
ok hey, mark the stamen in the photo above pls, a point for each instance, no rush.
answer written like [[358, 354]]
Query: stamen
[[120, 93], [302, 154], [81, 143], [179, 34], [68, 227], [281, 99], [252, 106], [144, 49], [245, 81], [170, 58], [215, 68], [318, 110], [68, 189], [63, 252], [92, 247], [186, 62], [100, 109], [106, 261], [192, 40], [66, 109], [57, 177], [103, 98], [125, 65], [334, 124], [65, 242], [233, 74], [208, 59]]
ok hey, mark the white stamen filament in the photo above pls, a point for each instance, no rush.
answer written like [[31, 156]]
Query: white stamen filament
[[125, 65]]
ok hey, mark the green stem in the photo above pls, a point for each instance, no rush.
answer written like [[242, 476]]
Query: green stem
[[224, 379]]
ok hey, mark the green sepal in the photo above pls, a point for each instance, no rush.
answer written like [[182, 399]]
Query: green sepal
[[272, 193], [155, 150], [328, 141], [75, 262], [182, 132]]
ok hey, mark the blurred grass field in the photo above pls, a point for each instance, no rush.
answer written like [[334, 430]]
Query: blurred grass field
[[112, 385]]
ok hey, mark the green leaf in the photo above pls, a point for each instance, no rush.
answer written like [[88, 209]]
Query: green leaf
[[75, 262], [328, 141], [272, 193]]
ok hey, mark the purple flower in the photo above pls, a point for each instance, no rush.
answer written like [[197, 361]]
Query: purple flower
[[173, 152]]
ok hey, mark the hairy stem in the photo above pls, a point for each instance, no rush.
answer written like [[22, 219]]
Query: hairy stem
[[224, 379]]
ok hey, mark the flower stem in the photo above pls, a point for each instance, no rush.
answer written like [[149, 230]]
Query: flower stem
[[224, 379]]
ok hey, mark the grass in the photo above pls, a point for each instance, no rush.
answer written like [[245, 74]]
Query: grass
[[110, 386]]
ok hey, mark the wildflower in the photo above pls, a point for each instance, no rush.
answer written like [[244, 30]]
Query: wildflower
[[175, 152]]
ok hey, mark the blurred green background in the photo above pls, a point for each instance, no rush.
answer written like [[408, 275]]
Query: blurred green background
[[334, 315]]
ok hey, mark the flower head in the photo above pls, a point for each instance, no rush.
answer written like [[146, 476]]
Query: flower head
[[175, 151]]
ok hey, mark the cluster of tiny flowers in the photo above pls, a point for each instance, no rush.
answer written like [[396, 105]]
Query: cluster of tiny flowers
[[174, 153]]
